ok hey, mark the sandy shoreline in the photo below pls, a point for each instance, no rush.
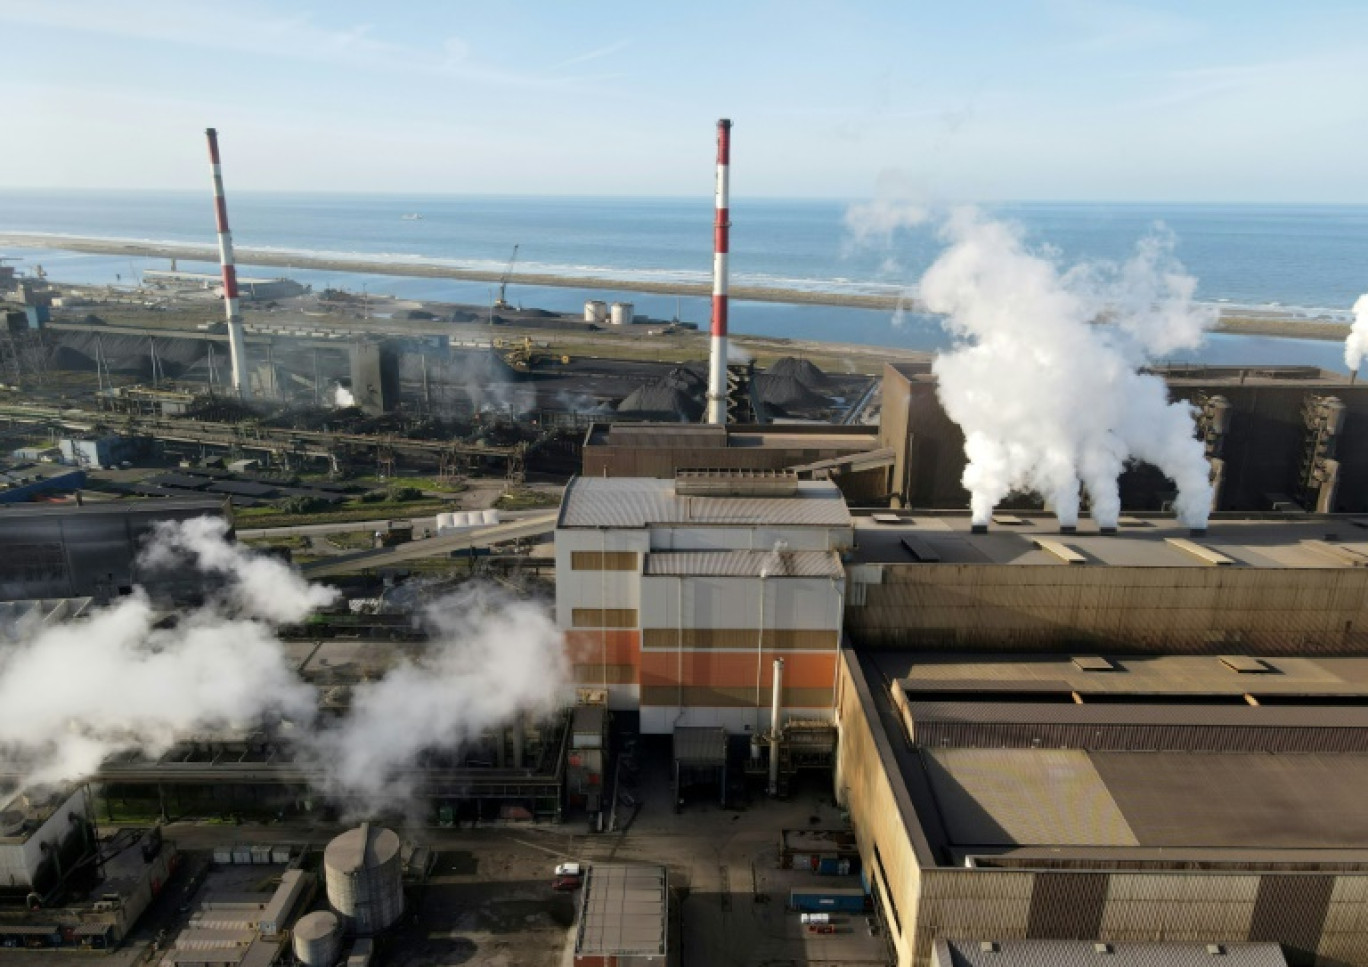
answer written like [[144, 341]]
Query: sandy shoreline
[[361, 264], [1262, 323]]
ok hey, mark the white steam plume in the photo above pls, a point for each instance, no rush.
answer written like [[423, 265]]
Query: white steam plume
[[125, 679], [1356, 344], [875, 222], [342, 397], [490, 659], [1047, 398]]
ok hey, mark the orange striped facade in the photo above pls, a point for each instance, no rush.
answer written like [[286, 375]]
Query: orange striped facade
[[614, 656]]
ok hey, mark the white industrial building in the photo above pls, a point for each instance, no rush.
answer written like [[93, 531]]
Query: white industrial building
[[676, 596]]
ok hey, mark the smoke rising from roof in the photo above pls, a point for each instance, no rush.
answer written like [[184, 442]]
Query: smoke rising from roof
[[490, 659], [1047, 396], [1356, 344], [125, 679]]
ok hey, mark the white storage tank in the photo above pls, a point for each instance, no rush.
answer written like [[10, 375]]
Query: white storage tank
[[489, 517], [595, 310], [364, 878], [623, 313], [318, 939], [446, 522]]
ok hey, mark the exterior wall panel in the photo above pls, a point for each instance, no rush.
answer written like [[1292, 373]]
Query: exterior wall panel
[[1030, 607]]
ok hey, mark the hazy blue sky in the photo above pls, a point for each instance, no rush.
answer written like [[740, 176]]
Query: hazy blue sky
[[948, 101]]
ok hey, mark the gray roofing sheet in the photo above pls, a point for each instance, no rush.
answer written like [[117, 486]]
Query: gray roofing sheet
[[623, 911], [780, 564], [1082, 953], [1304, 801], [1283, 716], [639, 502]]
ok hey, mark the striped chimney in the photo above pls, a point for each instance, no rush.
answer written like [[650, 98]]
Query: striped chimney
[[717, 358], [237, 346]]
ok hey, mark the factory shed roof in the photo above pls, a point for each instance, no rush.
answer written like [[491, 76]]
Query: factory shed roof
[[244, 488], [631, 502], [1304, 542], [132, 508], [623, 911], [766, 564], [953, 676], [1086, 953], [1129, 792]]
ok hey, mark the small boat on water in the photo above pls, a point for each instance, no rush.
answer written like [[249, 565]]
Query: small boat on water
[[411, 217]]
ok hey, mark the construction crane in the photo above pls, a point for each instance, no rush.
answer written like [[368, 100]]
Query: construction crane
[[501, 302]]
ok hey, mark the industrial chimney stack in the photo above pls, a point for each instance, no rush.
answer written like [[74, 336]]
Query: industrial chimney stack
[[717, 359], [237, 347]]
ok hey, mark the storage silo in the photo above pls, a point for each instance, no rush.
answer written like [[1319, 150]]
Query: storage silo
[[595, 311], [623, 313], [364, 879], [318, 939]]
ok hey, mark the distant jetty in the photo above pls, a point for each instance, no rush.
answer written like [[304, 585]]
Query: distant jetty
[[1238, 320]]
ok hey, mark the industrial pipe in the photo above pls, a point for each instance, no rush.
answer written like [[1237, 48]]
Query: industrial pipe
[[237, 345], [775, 729], [717, 358]]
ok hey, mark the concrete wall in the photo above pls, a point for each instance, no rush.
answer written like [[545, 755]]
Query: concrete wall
[[1155, 610], [22, 858]]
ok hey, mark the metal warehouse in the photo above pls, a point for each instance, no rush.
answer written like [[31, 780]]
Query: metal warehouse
[[1110, 798], [678, 595]]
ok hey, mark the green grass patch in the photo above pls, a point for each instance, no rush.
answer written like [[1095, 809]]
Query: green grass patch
[[527, 500]]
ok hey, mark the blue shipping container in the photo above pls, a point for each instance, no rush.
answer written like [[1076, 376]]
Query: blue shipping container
[[818, 900]]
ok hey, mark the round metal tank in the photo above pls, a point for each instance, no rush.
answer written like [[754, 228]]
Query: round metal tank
[[489, 517], [318, 939], [365, 882], [595, 311], [622, 313]]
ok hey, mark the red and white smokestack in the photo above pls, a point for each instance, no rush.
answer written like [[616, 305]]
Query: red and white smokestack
[[237, 346], [717, 358]]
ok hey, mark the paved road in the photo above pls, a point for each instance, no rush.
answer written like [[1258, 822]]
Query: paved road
[[344, 527], [543, 523]]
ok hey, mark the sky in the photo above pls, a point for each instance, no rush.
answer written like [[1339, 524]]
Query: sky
[[1088, 100]]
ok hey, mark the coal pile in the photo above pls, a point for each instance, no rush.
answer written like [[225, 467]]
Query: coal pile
[[802, 370], [676, 397]]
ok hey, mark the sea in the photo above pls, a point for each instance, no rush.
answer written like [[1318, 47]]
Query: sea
[[1309, 261]]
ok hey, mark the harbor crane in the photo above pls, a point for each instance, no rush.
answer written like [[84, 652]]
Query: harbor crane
[[501, 302]]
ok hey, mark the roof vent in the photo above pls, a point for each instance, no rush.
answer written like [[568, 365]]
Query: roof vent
[[736, 483], [988, 946], [1102, 948], [1216, 950], [1008, 520], [1246, 665], [1093, 663]]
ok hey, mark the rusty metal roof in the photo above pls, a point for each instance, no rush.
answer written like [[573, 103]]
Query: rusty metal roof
[[623, 912]]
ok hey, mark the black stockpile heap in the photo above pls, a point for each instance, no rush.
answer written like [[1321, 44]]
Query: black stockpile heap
[[794, 385], [676, 397]]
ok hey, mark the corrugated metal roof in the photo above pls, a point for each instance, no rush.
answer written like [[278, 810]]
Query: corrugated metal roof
[[1083, 953], [623, 911], [639, 502], [773, 564]]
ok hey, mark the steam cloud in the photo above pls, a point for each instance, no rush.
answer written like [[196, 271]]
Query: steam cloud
[[1356, 344], [74, 694], [342, 397], [1048, 399]]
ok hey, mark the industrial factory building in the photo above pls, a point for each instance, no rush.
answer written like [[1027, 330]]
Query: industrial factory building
[[677, 596], [849, 455], [72, 551], [1110, 798], [1261, 587], [1277, 437]]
